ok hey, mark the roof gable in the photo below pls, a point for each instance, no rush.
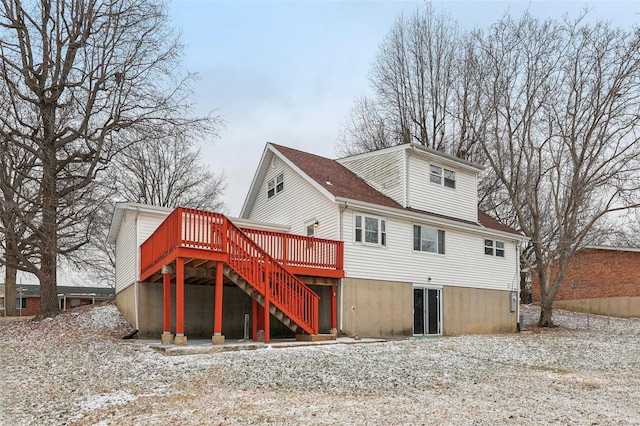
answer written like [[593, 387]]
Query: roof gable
[[335, 178]]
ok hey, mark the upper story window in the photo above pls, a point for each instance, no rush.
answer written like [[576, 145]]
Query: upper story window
[[370, 230], [442, 176], [492, 248], [275, 186], [428, 239]]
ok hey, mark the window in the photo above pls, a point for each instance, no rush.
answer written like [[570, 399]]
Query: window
[[489, 246], [21, 303], [311, 230], [370, 230], [436, 175], [428, 239], [275, 186], [449, 178]]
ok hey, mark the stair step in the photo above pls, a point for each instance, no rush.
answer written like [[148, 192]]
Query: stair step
[[315, 337]]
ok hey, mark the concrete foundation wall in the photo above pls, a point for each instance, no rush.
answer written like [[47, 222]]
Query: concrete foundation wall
[[377, 308], [125, 301], [623, 307], [473, 311], [385, 309]]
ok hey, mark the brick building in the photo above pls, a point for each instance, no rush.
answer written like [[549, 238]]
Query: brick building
[[600, 280], [69, 297]]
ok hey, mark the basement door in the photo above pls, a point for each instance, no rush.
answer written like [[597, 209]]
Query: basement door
[[427, 311]]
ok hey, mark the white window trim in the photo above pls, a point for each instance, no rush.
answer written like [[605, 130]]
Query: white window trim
[[494, 247], [430, 253], [363, 227], [443, 171], [273, 184]]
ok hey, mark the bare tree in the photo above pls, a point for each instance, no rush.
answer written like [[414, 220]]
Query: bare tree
[[84, 78], [420, 81], [557, 115], [15, 237], [168, 173]]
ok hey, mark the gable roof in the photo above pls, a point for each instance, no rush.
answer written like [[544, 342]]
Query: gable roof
[[336, 178], [339, 183]]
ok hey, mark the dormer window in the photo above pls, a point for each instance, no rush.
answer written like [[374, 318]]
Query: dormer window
[[441, 176], [275, 186]]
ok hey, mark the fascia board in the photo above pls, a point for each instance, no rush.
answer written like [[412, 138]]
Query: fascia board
[[299, 171], [250, 200]]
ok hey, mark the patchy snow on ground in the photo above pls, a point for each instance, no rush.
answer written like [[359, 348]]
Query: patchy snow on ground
[[75, 370]]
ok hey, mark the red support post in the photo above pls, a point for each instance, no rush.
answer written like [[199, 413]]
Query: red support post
[[180, 337], [334, 310], [267, 297], [217, 316]]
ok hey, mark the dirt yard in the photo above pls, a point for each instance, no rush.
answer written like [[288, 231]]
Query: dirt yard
[[74, 370]]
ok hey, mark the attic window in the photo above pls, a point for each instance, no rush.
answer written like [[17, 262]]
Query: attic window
[[275, 186], [440, 176]]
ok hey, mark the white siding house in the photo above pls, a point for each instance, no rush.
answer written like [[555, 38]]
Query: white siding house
[[419, 257]]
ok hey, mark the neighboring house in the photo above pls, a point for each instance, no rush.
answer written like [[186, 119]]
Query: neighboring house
[[69, 297], [599, 280]]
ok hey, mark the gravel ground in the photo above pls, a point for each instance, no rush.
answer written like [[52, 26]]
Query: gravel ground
[[74, 370]]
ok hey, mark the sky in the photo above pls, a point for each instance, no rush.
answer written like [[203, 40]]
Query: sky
[[288, 71]]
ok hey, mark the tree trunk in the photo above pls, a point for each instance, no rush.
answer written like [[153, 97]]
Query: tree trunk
[[524, 291], [546, 309], [47, 274], [10, 274]]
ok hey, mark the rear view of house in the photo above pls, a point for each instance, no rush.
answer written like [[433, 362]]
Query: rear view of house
[[387, 244], [419, 258]]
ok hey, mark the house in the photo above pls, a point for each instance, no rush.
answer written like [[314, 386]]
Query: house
[[419, 257], [600, 280], [69, 297], [390, 243]]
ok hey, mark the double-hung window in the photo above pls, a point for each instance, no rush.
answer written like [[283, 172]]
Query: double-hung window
[[442, 176], [492, 248], [428, 239], [275, 186], [370, 230]]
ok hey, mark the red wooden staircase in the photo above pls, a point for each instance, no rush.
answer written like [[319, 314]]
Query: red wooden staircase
[[199, 238]]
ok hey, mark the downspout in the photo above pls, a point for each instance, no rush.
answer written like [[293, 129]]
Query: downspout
[[341, 313], [135, 284]]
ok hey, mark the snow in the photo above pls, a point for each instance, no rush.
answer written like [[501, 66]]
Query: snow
[[75, 369]]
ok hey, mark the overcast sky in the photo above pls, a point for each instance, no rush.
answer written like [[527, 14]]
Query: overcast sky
[[288, 72]]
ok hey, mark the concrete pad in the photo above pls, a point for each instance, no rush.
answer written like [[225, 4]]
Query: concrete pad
[[204, 346]]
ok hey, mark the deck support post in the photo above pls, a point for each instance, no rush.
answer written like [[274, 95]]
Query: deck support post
[[218, 338], [180, 339], [267, 299], [167, 337], [334, 310]]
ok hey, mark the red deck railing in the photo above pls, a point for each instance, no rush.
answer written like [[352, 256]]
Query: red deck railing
[[299, 251], [258, 256]]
